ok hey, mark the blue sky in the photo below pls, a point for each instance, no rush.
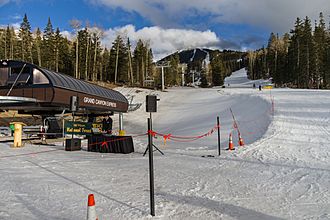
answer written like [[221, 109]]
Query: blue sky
[[170, 25]]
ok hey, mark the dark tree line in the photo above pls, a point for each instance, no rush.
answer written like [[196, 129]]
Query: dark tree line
[[83, 57], [223, 64], [300, 59]]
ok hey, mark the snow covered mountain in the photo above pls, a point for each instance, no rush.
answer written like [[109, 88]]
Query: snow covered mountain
[[198, 55], [191, 55]]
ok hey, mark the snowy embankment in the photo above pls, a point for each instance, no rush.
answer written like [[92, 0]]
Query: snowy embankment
[[281, 173]]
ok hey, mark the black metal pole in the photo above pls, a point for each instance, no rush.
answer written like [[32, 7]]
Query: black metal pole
[[151, 169], [72, 124], [218, 123]]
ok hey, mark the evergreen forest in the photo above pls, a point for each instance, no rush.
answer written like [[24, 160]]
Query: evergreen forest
[[83, 57], [299, 59]]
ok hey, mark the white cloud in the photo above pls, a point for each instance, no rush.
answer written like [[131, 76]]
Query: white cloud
[[4, 2], [16, 17], [69, 35], [162, 41], [277, 16], [16, 27], [165, 41]]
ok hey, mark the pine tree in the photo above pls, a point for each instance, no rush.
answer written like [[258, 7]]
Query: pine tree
[[294, 54], [48, 46], [252, 72], [25, 40], [88, 55], [36, 48], [326, 79], [172, 76], [9, 44], [263, 62], [272, 55], [83, 57], [138, 63], [119, 60], [282, 63], [14, 47], [307, 54], [66, 57], [3, 52], [57, 44], [320, 51], [204, 83], [105, 60], [217, 70]]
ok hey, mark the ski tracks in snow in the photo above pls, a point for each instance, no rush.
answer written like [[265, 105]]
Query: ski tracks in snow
[[295, 148]]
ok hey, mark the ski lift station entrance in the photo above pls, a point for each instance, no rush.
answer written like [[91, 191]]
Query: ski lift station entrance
[[30, 89]]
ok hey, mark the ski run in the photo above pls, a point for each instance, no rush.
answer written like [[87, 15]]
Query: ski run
[[282, 172]]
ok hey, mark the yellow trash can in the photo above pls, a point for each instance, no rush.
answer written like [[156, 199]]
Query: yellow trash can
[[122, 132], [18, 133]]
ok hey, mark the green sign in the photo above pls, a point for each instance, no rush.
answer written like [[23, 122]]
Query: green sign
[[81, 128]]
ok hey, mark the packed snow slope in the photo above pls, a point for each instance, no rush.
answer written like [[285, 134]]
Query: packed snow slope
[[282, 172]]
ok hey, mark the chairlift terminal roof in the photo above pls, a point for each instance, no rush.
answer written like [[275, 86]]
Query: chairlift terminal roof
[[110, 99]]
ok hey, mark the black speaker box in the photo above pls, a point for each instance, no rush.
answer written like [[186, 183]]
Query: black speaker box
[[73, 144], [151, 103]]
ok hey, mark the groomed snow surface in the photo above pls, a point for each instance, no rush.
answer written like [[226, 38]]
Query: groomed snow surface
[[282, 172]]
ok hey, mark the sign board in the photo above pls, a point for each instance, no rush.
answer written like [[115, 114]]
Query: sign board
[[82, 128], [94, 101], [267, 87]]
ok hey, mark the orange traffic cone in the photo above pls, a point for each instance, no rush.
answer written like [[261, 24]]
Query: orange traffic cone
[[91, 212], [240, 140], [231, 145]]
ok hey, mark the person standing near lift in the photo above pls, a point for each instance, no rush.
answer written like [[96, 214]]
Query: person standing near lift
[[109, 125]]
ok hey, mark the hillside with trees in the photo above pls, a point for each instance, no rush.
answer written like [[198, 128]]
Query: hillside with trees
[[83, 57], [210, 66], [299, 59]]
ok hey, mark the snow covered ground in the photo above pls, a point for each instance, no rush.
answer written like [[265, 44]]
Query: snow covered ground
[[283, 171]]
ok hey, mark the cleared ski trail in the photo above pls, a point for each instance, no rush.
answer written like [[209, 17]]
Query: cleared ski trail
[[282, 172]]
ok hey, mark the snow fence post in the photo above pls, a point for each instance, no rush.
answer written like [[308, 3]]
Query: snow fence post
[[218, 123]]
